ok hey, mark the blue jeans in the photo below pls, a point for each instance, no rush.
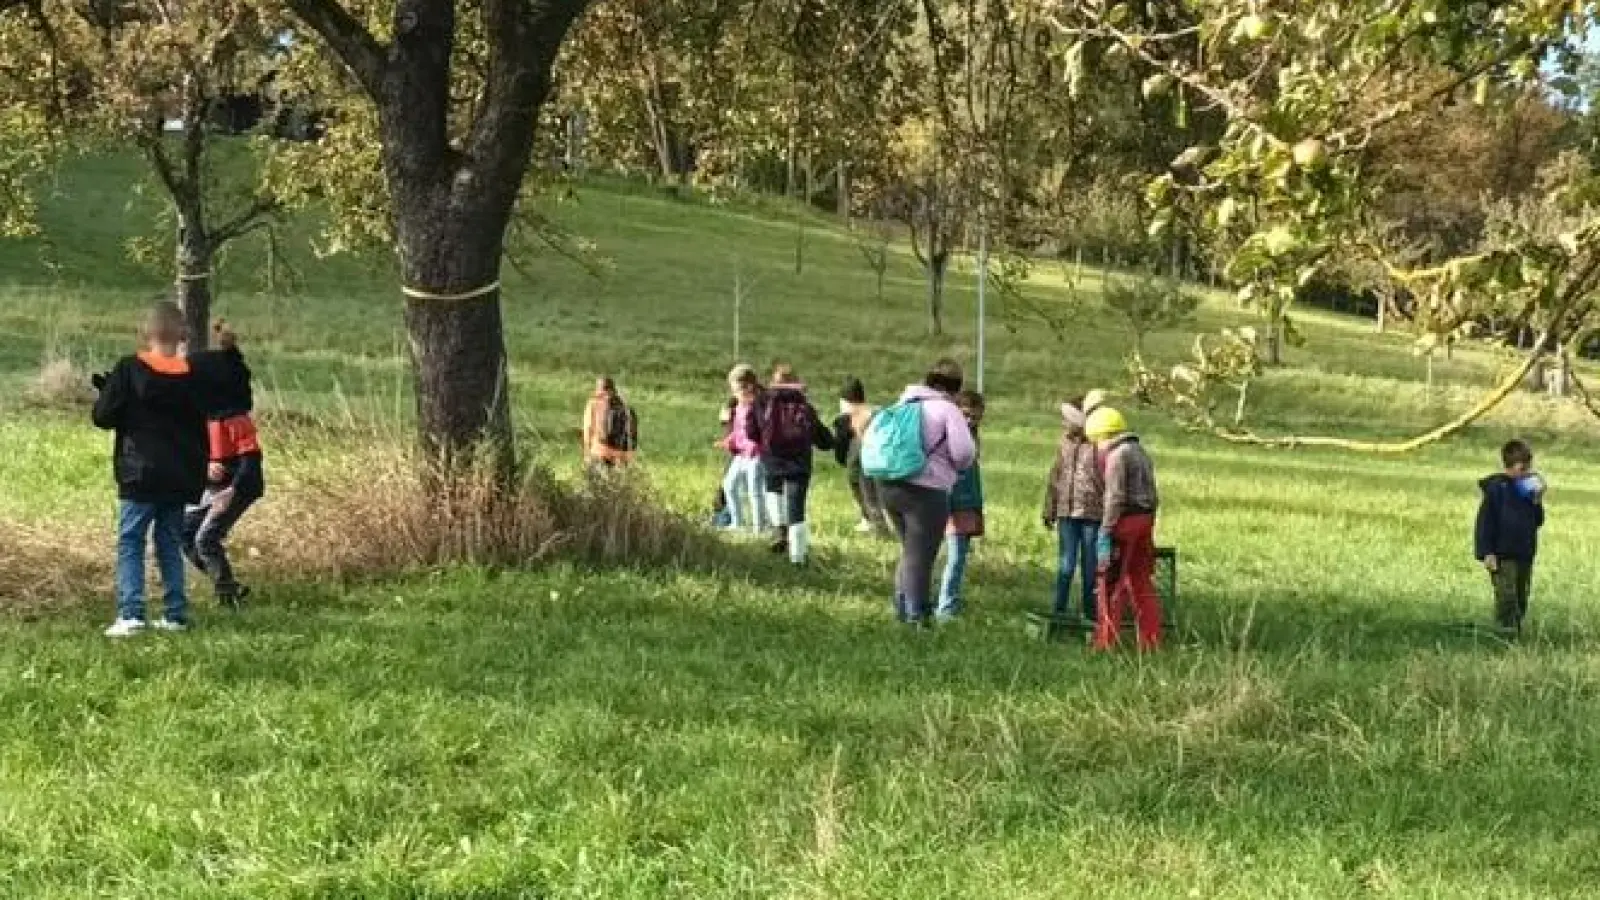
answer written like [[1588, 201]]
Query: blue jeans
[[135, 524], [958, 549], [1078, 537], [746, 483]]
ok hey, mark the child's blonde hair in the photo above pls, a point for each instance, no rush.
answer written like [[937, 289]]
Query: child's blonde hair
[[223, 335], [741, 376]]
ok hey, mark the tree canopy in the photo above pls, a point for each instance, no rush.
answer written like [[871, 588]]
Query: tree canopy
[[1429, 152]]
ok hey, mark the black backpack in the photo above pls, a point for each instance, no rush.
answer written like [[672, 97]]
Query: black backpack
[[621, 430]]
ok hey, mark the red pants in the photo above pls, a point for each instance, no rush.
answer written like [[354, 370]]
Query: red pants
[[1130, 578]]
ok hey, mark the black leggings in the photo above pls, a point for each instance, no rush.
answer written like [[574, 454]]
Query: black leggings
[[919, 515]]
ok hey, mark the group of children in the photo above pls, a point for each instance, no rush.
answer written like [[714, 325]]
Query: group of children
[[186, 460], [914, 474], [188, 464]]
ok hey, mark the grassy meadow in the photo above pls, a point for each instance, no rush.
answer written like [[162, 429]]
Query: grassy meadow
[[1327, 721]]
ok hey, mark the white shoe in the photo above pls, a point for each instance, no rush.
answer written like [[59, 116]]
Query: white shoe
[[122, 628], [169, 625], [863, 527]]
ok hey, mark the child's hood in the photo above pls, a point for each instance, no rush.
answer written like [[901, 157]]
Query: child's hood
[[161, 380], [1497, 481]]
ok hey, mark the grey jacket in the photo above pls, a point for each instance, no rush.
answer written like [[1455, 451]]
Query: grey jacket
[[1130, 481]]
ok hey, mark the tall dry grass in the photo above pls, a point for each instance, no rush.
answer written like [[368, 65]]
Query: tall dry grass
[[42, 568], [381, 513]]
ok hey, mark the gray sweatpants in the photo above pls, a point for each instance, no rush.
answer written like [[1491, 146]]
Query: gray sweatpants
[[919, 516]]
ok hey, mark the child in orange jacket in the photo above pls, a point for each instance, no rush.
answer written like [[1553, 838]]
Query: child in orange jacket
[[235, 477]]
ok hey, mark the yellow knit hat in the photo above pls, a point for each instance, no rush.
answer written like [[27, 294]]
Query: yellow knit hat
[[1104, 424]]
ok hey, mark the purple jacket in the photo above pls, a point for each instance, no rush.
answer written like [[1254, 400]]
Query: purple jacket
[[945, 437]]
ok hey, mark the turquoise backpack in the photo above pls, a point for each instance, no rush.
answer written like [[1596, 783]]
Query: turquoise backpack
[[892, 448]]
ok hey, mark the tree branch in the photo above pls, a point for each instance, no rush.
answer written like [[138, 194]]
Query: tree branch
[[361, 53], [150, 143], [247, 220], [1483, 408], [1576, 289], [524, 38], [195, 105]]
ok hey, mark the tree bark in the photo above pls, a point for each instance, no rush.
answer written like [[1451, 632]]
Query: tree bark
[[938, 267], [453, 200], [1275, 343], [844, 191], [193, 288]]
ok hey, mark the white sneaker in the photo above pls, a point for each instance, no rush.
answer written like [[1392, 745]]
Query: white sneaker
[[122, 628], [169, 625], [863, 527]]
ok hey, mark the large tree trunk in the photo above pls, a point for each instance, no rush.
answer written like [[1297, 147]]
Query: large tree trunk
[[193, 288], [450, 234], [843, 200], [452, 199], [938, 267]]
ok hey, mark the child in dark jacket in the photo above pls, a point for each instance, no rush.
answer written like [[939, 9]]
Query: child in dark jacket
[[1507, 533], [848, 429], [235, 475], [787, 427], [151, 402], [966, 515]]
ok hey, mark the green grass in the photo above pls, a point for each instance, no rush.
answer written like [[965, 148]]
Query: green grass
[[1325, 723]]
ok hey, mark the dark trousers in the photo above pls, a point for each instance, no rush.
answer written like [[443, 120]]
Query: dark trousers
[[205, 538], [919, 516], [1512, 581], [790, 492]]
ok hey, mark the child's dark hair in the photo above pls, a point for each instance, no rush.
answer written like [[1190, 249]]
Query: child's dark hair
[[854, 391], [1516, 453], [945, 376], [970, 402]]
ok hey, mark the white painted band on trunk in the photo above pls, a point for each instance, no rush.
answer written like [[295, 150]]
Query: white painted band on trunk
[[484, 291], [203, 276]]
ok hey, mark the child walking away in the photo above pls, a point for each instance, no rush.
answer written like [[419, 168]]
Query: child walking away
[[788, 429], [151, 403], [1509, 519], [610, 428], [745, 484], [848, 428], [966, 514], [1073, 509], [914, 451], [1127, 549], [235, 476]]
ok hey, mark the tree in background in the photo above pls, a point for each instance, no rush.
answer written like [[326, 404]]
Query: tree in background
[[1308, 88], [455, 95], [150, 75]]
